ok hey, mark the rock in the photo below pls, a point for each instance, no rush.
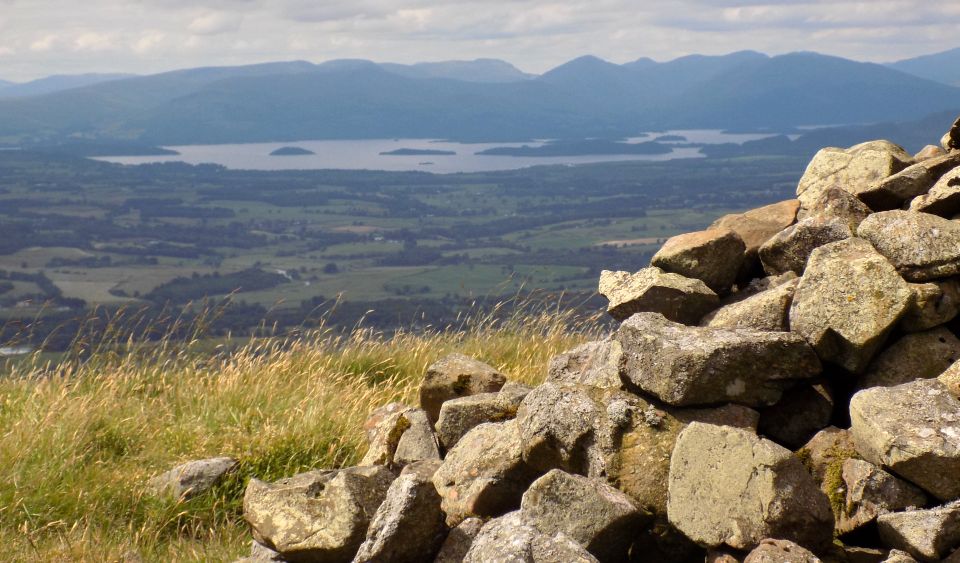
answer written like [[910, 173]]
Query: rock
[[921, 355], [756, 226], [455, 376], [854, 554], [418, 442], [909, 183], [923, 247], [458, 541], [934, 304], [680, 299], [943, 199], [824, 456], [789, 250], [729, 486], [951, 140], [799, 415], [768, 310], [514, 393], [686, 366], [192, 478], [510, 539], [914, 431], [897, 556], [870, 492], [595, 363], [929, 151], [260, 553], [408, 526], [951, 379], [598, 517], [855, 169], [780, 551], [928, 535], [848, 300], [460, 415], [316, 516], [713, 256], [719, 556], [484, 475], [835, 203], [384, 428]]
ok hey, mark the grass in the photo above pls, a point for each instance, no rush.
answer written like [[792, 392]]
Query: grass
[[79, 439]]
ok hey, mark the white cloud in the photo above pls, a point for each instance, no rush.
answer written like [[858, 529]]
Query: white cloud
[[44, 44], [93, 41], [148, 41], [6, 51], [215, 23]]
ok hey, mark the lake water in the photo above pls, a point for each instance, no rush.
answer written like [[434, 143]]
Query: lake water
[[365, 154]]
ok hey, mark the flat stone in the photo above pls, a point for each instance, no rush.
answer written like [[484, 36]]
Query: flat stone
[[870, 492], [458, 416], [458, 541], [934, 303], [767, 310], [909, 183], [928, 535], [799, 415], [193, 478], [713, 256], [912, 430], [418, 442], [855, 170], [943, 199], [316, 516], [688, 366], [756, 226], [455, 376], [789, 250], [511, 539], [678, 298], [921, 355], [780, 551], [730, 487], [835, 203], [595, 363], [848, 300], [923, 247]]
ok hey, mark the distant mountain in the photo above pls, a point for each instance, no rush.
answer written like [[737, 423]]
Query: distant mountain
[[479, 70], [5, 84], [55, 83], [941, 67]]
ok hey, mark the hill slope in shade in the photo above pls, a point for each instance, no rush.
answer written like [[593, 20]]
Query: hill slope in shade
[[56, 83], [941, 67]]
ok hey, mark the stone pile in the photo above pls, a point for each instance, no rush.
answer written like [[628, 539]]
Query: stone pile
[[784, 387]]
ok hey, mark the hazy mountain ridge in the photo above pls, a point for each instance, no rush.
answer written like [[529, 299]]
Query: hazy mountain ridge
[[941, 67], [55, 83]]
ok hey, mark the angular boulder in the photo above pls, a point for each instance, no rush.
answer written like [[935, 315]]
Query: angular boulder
[[855, 170], [688, 366], [921, 246], [934, 303], [951, 379], [190, 479], [835, 203], [458, 416], [384, 428], [418, 442], [455, 376], [767, 310], [909, 183], [928, 535], [951, 140], [848, 300], [929, 151], [595, 363], [780, 551], [789, 250], [713, 256], [676, 297], [870, 492], [943, 199], [912, 430], [459, 541], [921, 355], [799, 415], [756, 226], [730, 487], [511, 539]]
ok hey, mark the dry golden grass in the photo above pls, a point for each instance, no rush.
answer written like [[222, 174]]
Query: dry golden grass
[[79, 439]]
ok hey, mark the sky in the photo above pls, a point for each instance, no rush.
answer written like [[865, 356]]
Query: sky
[[44, 37]]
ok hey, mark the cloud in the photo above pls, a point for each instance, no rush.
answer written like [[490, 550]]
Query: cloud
[[44, 44], [93, 41], [215, 23]]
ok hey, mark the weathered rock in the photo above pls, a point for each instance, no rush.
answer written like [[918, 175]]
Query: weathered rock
[[789, 250], [756, 226], [192, 478], [260, 553], [511, 539], [799, 415], [458, 416], [951, 379], [929, 151], [824, 456], [418, 442], [595, 363], [897, 556], [848, 300], [934, 304], [598, 517], [728, 486], [455, 376], [923, 247], [943, 199], [854, 554], [953, 557], [768, 310], [914, 431], [855, 169], [835, 203], [951, 140], [458, 541], [484, 474], [687, 366], [913, 181], [408, 526], [720, 556], [870, 492], [678, 298], [928, 535], [316, 516], [384, 428], [514, 393], [713, 256], [780, 551], [921, 355]]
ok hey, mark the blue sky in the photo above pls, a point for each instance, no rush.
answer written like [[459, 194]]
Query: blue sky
[[42, 37]]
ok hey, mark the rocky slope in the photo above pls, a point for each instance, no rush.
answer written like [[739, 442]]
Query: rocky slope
[[784, 387]]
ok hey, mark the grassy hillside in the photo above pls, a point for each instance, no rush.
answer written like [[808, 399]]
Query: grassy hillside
[[78, 440]]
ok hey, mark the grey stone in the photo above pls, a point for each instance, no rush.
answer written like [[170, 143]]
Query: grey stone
[[728, 486], [855, 170], [384, 428], [756, 226], [799, 415], [923, 247], [409, 526], [458, 541], [319, 516], [687, 366], [458, 416], [676, 297], [720, 556], [897, 556], [510, 539], [921, 355], [192, 478], [870, 492], [909, 183], [789, 250], [594, 363], [484, 475], [914, 431], [928, 535], [418, 442], [835, 203], [780, 551], [455, 376], [713, 256], [598, 517], [767, 310], [943, 199], [934, 304], [929, 151], [951, 379], [260, 553], [848, 300]]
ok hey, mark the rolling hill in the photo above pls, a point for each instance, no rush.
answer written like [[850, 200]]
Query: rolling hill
[[55, 83], [942, 67]]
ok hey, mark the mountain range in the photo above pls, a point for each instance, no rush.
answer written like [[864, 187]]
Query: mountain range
[[484, 99]]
